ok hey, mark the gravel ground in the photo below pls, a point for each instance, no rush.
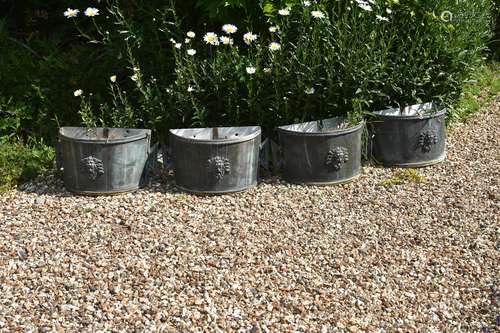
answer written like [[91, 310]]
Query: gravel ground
[[361, 257]]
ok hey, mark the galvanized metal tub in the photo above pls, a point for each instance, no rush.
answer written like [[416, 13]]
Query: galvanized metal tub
[[321, 152], [412, 137], [101, 161], [216, 160]]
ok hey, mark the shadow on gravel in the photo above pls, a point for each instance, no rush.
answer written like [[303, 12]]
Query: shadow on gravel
[[53, 185], [162, 181]]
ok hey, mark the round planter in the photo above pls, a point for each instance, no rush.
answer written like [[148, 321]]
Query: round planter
[[321, 152], [413, 137], [105, 160], [215, 160]]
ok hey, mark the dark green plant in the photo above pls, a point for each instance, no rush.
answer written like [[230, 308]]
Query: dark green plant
[[21, 162], [418, 55]]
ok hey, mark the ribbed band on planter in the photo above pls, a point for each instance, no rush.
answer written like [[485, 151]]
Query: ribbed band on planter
[[321, 152], [413, 137], [216, 160], [101, 161]]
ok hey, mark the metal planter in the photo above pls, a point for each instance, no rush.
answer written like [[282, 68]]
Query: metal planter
[[413, 137], [101, 161], [321, 152], [215, 160]]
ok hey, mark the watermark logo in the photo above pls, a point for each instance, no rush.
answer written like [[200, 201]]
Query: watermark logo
[[446, 16]]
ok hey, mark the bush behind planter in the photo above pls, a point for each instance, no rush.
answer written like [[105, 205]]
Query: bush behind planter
[[417, 56], [393, 54]]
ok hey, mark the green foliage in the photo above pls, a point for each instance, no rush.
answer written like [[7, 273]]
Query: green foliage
[[403, 176], [477, 92], [21, 162], [351, 61]]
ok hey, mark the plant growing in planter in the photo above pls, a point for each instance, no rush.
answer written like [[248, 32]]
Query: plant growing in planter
[[413, 136], [323, 139], [105, 160], [216, 83]]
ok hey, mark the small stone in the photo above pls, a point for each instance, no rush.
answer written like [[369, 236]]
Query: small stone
[[39, 201], [22, 254]]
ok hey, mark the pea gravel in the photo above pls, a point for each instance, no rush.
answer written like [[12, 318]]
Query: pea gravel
[[383, 254]]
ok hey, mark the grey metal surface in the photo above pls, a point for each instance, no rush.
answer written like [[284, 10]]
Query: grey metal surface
[[412, 137], [215, 160], [321, 152], [105, 160]]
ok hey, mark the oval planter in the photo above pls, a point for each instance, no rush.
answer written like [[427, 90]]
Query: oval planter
[[321, 152], [215, 160], [105, 160], [413, 137]]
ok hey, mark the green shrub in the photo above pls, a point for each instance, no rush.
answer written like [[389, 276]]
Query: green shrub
[[21, 162], [360, 56], [477, 92], [351, 60]]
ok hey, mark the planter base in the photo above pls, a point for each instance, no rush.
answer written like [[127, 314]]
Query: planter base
[[101, 194], [233, 190], [416, 165], [337, 182]]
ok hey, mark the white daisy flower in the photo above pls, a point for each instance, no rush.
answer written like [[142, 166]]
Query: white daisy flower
[[226, 40], [187, 41], [382, 18], [250, 70], [273, 29], [191, 34], [388, 10], [267, 70], [191, 52], [69, 13], [112, 78], [190, 89], [211, 38], [249, 37], [78, 92], [91, 12], [307, 3], [173, 41], [229, 28], [364, 5], [134, 77], [178, 45], [284, 12], [317, 14], [274, 46], [310, 91]]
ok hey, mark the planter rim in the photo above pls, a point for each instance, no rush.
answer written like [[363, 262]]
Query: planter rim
[[189, 134], [74, 134], [439, 111], [289, 131]]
